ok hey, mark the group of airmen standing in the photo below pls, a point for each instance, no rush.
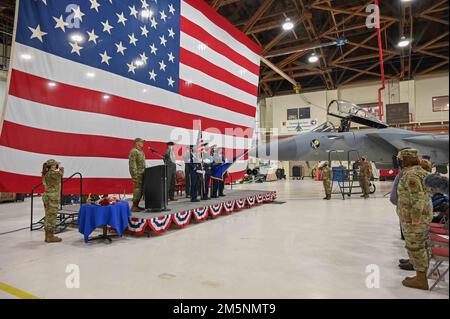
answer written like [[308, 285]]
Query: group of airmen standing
[[362, 169], [198, 172]]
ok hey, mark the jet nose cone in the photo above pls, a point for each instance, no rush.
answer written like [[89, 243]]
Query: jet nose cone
[[278, 150]]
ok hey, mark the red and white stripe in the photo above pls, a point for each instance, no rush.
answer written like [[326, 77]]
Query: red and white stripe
[[73, 122]]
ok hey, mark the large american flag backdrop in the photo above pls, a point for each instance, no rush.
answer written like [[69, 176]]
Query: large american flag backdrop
[[89, 76]]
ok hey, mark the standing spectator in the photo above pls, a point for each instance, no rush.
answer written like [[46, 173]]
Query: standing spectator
[[416, 213], [365, 176], [326, 179], [52, 174]]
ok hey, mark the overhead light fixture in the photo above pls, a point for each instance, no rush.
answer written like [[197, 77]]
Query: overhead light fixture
[[313, 58], [106, 97], [90, 74], [139, 63], [404, 42], [288, 24], [51, 84]]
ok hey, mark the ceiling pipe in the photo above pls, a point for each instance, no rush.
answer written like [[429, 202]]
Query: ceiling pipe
[[296, 85], [338, 42], [380, 48]]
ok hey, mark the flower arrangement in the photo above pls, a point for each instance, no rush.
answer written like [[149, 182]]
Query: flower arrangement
[[103, 201]]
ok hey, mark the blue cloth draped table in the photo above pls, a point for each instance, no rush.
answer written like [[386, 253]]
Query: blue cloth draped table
[[92, 216]]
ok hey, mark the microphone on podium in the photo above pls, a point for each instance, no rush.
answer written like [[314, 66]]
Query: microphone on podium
[[152, 149]]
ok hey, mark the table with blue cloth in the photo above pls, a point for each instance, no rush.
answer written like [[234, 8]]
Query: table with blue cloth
[[92, 216]]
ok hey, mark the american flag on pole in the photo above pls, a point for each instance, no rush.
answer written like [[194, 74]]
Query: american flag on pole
[[89, 76]]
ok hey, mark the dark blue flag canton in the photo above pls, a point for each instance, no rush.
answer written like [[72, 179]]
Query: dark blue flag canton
[[137, 39]]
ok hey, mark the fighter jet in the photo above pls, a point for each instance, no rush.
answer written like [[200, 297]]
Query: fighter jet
[[335, 141]]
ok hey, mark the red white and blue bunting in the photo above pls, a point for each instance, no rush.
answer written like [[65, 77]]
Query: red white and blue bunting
[[160, 224], [240, 204], [259, 198], [251, 201], [200, 214], [181, 219], [215, 210], [228, 207], [137, 226]]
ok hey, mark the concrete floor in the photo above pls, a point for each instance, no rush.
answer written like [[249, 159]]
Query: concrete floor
[[305, 248]]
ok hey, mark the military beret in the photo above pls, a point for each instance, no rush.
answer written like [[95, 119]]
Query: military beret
[[138, 140], [51, 162], [409, 153], [170, 143]]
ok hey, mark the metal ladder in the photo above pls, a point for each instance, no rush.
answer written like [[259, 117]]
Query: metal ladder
[[65, 217]]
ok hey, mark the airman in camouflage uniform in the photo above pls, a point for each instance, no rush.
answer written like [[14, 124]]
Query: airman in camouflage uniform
[[136, 163], [365, 176], [327, 180], [51, 178], [415, 212]]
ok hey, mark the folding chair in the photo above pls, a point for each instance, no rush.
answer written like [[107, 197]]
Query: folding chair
[[437, 240], [438, 231], [440, 255]]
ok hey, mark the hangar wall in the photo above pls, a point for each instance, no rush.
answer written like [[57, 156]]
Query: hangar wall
[[418, 93]]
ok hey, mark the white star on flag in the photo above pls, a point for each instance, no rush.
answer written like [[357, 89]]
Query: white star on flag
[[163, 15], [144, 31], [171, 81], [120, 48], [37, 33], [122, 18], [131, 68], [144, 4], [105, 57], [154, 23], [171, 9], [133, 11], [153, 49], [133, 39], [78, 14], [171, 33], [92, 36], [171, 57], [163, 40], [162, 66], [152, 75], [94, 5], [60, 23], [144, 57], [75, 48], [107, 27]]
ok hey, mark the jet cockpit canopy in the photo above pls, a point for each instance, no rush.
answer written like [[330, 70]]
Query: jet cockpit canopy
[[347, 112]]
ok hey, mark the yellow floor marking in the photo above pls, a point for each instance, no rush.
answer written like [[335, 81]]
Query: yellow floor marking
[[16, 292]]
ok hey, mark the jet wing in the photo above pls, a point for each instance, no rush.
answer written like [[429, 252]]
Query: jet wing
[[401, 140], [440, 141], [386, 141]]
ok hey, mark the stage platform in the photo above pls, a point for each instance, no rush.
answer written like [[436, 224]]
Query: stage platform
[[183, 211]]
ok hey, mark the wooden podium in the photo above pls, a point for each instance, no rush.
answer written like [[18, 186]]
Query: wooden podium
[[155, 189]]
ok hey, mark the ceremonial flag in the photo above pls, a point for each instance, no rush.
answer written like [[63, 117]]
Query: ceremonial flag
[[89, 76], [220, 172]]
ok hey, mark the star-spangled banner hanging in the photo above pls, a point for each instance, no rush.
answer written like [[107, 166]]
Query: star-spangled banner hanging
[[137, 39]]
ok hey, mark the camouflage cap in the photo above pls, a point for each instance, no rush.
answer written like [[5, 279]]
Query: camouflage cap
[[136, 140], [51, 162], [410, 152]]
